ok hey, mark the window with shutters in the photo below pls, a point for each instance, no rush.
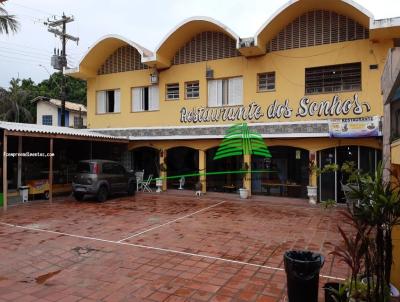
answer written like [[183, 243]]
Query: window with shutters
[[266, 81], [225, 92], [192, 90], [145, 99], [108, 101], [334, 78], [317, 27], [172, 92]]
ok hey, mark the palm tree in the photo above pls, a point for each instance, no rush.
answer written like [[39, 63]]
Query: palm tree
[[13, 104], [8, 23]]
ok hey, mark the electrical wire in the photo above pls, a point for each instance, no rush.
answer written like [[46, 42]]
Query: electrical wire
[[33, 9], [31, 53]]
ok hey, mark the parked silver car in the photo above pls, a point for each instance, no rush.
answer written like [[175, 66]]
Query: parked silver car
[[101, 178]]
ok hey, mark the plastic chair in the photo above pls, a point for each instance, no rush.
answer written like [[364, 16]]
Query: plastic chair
[[139, 179], [146, 184]]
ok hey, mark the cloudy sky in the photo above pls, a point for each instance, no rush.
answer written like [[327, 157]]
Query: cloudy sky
[[27, 53]]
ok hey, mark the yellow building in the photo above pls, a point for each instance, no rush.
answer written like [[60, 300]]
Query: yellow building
[[308, 82]]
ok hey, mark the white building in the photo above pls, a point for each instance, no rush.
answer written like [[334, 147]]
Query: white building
[[48, 112]]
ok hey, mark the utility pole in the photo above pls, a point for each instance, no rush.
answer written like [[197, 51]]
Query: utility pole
[[59, 61]]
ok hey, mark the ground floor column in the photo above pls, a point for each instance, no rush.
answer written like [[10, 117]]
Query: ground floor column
[[5, 183], [247, 178], [51, 171], [163, 168], [313, 175], [202, 170], [19, 164]]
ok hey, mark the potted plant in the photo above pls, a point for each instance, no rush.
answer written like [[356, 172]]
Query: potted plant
[[373, 217], [244, 192]]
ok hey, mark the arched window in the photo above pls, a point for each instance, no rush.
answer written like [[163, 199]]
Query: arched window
[[206, 46], [125, 58], [317, 27]]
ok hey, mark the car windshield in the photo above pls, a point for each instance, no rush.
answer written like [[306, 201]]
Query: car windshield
[[83, 168]]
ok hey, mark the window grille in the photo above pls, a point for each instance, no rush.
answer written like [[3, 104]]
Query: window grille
[[172, 91], [125, 58], [317, 27], [334, 78], [206, 46]]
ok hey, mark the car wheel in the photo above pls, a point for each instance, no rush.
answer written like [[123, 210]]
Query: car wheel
[[131, 189], [102, 194], [79, 196], [46, 195]]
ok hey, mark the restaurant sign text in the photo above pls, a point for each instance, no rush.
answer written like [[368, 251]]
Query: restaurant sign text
[[253, 112]]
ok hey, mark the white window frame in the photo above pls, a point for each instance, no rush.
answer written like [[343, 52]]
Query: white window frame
[[172, 96], [102, 104], [266, 81], [192, 90], [138, 101], [225, 92]]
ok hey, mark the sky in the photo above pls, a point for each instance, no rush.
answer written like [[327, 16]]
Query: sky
[[27, 53]]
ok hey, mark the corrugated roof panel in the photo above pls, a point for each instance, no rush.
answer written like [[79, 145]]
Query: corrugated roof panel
[[34, 128]]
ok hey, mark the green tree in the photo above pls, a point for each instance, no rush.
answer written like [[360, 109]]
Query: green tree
[[75, 88], [14, 104], [8, 23]]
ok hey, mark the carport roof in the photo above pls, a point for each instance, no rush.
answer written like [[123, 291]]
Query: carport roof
[[34, 130]]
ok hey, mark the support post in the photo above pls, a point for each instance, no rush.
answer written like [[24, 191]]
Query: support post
[[163, 174], [19, 163], [5, 183], [202, 171], [313, 175], [51, 172], [247, 180]]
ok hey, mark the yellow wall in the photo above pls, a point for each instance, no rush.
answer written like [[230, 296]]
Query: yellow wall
[[289, 66]]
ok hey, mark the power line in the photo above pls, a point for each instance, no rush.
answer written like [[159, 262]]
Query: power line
[[33, 9], [31, 53], [41, 49], [22, 58]]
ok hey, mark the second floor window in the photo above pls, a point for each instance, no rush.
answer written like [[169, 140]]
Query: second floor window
[[108, 101], [145, 99], [47, 120], [192, 90], [225, 92], [172, 91], [78, 121], [334, 78], [266, 81]]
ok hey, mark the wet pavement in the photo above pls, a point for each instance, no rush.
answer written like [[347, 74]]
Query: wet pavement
[[168, 247]]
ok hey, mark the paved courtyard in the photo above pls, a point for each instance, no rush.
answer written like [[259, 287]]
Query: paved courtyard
[[168, 247]]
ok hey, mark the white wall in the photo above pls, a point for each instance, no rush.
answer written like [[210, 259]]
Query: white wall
[[44, 108]]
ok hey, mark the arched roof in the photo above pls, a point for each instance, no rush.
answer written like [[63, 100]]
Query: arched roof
[[295, 8], [183, 32], [102, 49]]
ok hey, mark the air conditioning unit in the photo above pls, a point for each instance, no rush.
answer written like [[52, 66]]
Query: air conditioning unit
[[209, 74]]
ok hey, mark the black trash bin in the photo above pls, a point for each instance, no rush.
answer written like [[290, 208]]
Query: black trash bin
[[302, 272]]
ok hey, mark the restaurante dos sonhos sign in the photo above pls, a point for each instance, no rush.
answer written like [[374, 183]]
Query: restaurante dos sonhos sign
[[337, 106]]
